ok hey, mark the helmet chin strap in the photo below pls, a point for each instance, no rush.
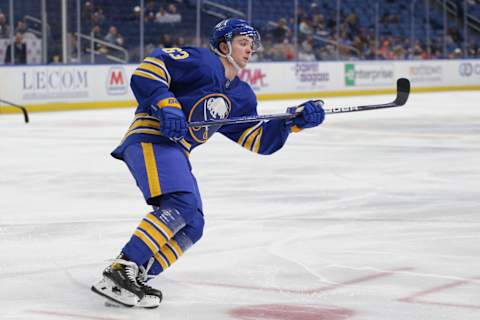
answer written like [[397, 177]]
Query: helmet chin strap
[[229, 57]]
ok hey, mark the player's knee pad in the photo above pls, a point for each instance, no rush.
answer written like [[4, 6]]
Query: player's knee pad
[[186, 203], [194, 229]]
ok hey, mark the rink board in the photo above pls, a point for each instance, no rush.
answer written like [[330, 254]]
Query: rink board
[[52, 88]]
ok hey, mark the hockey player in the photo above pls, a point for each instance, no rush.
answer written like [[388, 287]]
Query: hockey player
[[174, 86]]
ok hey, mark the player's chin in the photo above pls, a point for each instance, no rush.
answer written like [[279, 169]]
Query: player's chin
[[243, 63]]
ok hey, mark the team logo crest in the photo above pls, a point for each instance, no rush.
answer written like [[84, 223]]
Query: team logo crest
[[211, 107]]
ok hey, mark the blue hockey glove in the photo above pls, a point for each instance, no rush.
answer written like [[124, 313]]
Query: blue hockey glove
[[311, 115], [172, 122]]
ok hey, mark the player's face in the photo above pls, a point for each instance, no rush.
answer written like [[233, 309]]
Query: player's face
[[242, 49]]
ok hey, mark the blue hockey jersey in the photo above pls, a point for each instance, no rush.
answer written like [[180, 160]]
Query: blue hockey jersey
[[193, 79]]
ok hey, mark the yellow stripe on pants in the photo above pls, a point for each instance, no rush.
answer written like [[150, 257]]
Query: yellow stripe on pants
[[152, 172]]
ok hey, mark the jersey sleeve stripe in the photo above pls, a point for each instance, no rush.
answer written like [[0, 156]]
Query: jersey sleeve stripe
[[248, 131], [257, 142], [251, 138], [295, 129], [154, 69], [159, 63], [169, 102], [150, 76]]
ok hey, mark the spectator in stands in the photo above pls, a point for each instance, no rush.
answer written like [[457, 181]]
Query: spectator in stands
[[4, 27], [284, 51], [87, 11], [456, 54], [161, 16], [170, 15], [472, 48], [268, 52], [114, 37], [56, 59], [21, 27], [386, 50], [399, 52], [305, 27], [98, 17], [306, 52], [150, 11], [167, 41], [418, 52], [319, 25], [280, 31], [20, 51], [180, 42]]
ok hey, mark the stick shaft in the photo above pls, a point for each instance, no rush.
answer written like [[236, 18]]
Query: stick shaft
[[403, 91]]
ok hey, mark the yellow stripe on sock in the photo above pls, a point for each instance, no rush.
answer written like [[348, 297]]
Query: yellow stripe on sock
[[146, 240], [168, 253], [176, 247], [161, 260], [160, 225], [154, 233], [151, 167]]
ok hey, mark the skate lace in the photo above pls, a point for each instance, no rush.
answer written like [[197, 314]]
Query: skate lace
[[143, 276], [131, 269]]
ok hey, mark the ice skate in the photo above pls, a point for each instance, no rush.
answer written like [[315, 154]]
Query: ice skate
[[119, 283], [153, 297]]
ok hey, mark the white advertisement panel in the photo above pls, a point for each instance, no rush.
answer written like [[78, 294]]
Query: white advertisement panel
[[66, 84], [108, 85]]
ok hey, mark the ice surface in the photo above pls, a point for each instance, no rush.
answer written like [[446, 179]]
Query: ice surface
[[373, 216]]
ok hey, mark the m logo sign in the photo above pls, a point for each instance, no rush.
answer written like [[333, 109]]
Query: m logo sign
[[116, 81]]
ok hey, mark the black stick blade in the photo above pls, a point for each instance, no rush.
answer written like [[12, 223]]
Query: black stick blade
[[403, 91]]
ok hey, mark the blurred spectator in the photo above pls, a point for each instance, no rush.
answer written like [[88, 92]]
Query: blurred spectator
[[150, 11], [56, 59], [457, 53], [386, 50], [88, 11], [4, 27], [306, 52], [180, 42], [284, 51], [98, 17], [167, 41], [305, 27], [399, 52], [319, 25], [20, 51], [170, 15], [114, 37], [21, 27], [280, 31]]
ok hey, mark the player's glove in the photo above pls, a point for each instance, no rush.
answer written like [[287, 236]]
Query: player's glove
[[173, 124], [311, 115]]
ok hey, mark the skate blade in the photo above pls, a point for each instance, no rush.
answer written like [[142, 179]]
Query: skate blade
[[105, 288]]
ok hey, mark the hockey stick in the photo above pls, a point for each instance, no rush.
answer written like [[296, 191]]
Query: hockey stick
[[24, 110], [403, 91]]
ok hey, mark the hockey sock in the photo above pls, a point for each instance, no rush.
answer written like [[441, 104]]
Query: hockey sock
[[153, 232], [170, 252]]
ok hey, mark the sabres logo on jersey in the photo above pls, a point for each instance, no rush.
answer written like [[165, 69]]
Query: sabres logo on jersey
[[211, 107]]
